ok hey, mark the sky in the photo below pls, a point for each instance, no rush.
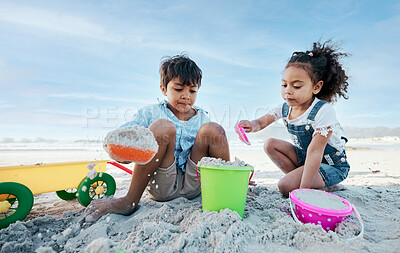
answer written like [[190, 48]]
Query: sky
[[78, 69]]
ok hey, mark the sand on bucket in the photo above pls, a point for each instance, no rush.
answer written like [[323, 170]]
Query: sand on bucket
[[321, 200], [211, 161], [136, 144]]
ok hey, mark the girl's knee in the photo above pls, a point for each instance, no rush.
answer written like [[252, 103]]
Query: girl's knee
[[270, 145], [284, 187]]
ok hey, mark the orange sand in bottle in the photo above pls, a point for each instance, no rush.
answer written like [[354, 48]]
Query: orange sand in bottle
[[135, 144], [129, 153]]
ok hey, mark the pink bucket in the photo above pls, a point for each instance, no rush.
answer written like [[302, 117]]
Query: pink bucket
[[327, 218]]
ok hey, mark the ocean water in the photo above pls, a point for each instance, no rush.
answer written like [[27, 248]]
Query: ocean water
[[19, 153], [12, 154]]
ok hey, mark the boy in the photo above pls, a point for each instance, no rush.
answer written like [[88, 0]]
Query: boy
[[184, 134]]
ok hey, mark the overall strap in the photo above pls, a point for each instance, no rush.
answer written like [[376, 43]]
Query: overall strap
[[316, 108], [285, 110]]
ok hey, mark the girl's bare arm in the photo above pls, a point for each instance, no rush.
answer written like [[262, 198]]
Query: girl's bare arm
[[257, 124], [315, 152]]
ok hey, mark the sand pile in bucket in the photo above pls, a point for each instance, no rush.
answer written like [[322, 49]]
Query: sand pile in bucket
[[318, 199], [136, 144], [211, 161]]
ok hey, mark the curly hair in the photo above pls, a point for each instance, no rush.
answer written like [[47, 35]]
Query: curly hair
[[182, 67], [322, 64]]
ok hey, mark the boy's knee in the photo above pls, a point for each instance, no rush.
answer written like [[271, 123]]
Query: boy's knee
[[269, 145], [211, 129], [211, 134], [162, 126], [163, 130]]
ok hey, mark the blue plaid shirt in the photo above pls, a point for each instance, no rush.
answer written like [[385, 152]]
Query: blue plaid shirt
[[186, 131]]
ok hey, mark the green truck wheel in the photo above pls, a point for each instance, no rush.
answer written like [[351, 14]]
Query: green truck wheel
[[16, 201], [89, 189], [67, 194]]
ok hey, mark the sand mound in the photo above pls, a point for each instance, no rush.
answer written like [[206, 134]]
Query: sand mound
[[176, 226]]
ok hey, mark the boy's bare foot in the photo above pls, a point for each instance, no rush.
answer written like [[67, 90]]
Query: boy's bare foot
[[333, 188], [100, 207]]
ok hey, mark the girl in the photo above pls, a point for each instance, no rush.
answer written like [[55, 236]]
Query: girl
[[317, 158]]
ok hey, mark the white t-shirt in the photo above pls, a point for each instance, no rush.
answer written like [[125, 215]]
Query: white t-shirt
[[324, 122]]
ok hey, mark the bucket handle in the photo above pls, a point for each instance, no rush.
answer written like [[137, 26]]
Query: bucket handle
[[198, 178], [293, 214], [252, 172], [360, 235]]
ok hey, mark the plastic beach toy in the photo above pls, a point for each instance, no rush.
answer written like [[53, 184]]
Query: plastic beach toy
[[242, 135], [136, 144], [224, 187], [129, 153], [308, 211], [69, 180]]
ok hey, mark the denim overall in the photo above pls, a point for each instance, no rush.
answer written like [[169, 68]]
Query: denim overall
[[334, 167]]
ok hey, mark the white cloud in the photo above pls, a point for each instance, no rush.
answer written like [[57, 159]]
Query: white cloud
[[54, 21], [4, 104], [99, 97], [59, 113], [239, 51], [10, 74], [390, 26]]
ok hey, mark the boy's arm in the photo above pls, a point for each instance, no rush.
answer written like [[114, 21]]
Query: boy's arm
[[315, 152]]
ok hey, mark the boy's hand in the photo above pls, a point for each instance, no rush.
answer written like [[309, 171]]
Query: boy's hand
[[247, 126]]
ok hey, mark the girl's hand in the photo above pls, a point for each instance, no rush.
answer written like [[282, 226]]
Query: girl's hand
[[247, 126]]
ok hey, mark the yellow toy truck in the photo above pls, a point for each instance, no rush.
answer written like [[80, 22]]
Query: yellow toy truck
[[69, 180]]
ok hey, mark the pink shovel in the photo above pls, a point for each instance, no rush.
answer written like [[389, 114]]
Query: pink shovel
[[242, 136]]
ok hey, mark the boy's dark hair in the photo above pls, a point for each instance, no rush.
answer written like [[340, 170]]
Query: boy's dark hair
[[322, 64], [182, 67]]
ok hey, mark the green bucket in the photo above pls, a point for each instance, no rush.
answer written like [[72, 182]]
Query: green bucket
[[224, 187]]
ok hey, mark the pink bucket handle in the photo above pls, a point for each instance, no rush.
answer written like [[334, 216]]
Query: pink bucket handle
[[252, 173], [197, 174], [360, 235], [198, 178]]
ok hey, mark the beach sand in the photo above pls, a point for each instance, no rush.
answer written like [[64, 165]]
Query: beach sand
[[179, 225]]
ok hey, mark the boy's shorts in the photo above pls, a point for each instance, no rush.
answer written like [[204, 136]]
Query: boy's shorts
[[170, 183]]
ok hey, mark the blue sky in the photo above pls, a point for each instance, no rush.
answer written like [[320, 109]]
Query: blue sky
[[78, 69]]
